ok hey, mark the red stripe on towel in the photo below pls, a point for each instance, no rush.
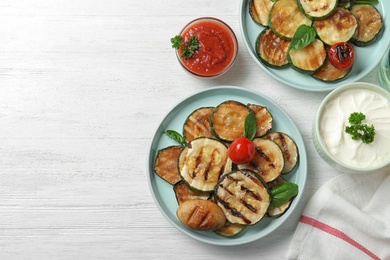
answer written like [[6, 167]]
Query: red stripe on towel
[[337, 233]]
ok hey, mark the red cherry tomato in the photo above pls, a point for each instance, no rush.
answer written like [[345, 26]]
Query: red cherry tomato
[[341, 55], [241, 150]]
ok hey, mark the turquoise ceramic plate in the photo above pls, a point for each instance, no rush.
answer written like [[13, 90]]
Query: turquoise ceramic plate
[[163, 192], [367, 58]]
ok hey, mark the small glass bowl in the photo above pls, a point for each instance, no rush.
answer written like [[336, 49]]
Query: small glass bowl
[[318, 140], [232, 36]]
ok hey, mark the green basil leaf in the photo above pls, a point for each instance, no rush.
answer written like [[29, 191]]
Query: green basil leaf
[[250, 125], [176, 136], [282, 193], [302, 37]]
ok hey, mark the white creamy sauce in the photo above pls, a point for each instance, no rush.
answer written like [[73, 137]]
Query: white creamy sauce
[[335, 119]]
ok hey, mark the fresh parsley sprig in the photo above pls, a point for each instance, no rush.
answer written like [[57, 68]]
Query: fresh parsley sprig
[[360, 131], [188, 47]]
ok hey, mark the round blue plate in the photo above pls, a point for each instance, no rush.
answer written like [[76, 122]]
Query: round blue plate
[[366, 58], [163, 192]]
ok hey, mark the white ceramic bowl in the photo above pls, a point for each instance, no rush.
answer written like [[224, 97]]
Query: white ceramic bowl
[[337, 147]]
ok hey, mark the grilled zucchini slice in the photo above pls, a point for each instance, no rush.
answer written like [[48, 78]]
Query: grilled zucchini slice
[[259, 11], [263, 119], [197, 124], [268, 161], [228, 119], [275, 212], [285, 18], [165, 165], [289, 149], [317, 9], [370, 24], [184, 193], [329, 73], [272, 50], [230, 229], [202, 162], [308, 59], [339, 27], [243, 197]]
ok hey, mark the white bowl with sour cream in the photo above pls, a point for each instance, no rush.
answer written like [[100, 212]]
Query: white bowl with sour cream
[[336, 146]]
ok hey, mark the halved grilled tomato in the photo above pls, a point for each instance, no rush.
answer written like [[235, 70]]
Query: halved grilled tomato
[[341, 55]]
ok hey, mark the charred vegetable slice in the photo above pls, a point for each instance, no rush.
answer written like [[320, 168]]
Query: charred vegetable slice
[[228, 119], [259, 10], [277, 211], [339, 27], [330, 73], [271, 49], [197, 124], [166, 164], [184, 193], [263, 119], [285, 18], [369, 24], [230, 229], [308, 59], [243, 197], [288, 147], [268, 161], [317, 9], [202, 162]]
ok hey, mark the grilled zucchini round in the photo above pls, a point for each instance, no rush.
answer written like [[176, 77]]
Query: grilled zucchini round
[[243, 197], [202, 162], [197, 124], [370, 25], [272, 50]]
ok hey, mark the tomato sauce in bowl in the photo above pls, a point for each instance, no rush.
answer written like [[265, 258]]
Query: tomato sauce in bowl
[[217, 51]]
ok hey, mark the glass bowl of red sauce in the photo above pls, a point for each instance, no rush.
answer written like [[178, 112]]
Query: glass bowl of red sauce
[[218, 48]]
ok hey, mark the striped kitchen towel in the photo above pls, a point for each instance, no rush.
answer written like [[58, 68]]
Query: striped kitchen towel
[[347, 218]]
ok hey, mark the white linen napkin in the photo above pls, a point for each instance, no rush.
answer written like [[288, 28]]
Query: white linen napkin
[[347, 218]]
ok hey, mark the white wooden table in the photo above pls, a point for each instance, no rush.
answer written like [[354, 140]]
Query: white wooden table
[[83, 85]]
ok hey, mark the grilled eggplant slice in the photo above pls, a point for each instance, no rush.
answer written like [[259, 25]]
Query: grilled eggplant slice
[[289, 149], [259, 11], [268, 161], [317, 9], [197, 124], [263, 119], [184, 193], [228, 119], [370, 25], [202, 162], [308, 59], [272, 50], [166, 164], [339, 27], [243, 197], [285, 18]]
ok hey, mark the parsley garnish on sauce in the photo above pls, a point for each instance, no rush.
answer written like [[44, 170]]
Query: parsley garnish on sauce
[[358, 130], [188, 47]]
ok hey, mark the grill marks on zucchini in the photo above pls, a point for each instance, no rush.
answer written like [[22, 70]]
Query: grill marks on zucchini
[[243, 197], [285, 18], [259, 10], [339, 27], [264, 119], [289, 149], [202, 162], [369, 24], [228, 119], [268, 161], [197, 124], [271, 49], [317, 9]]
